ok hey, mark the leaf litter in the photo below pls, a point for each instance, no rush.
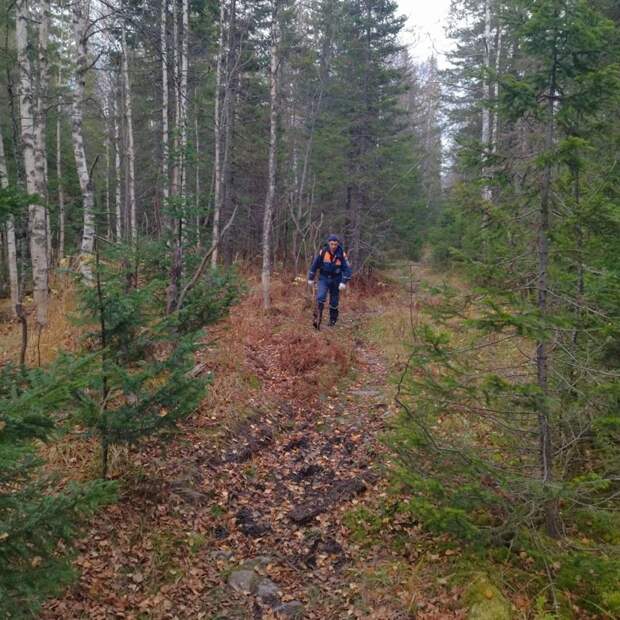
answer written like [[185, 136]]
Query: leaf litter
[[284, 444]]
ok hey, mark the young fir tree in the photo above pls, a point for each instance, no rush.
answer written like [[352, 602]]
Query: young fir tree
[[143, 383], [37, 516]]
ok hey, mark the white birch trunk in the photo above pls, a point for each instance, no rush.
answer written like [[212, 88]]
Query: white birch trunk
[[174, 185], [33, 168], [41, 124], [486, 95], [131, 155], [273, 144], [183, 93], [10, 236], [108, 201], [217, 131], [165, 154], [498, 58], [80, 24], [117, 173]]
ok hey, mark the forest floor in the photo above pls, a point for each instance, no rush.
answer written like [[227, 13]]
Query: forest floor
[[264, 503]]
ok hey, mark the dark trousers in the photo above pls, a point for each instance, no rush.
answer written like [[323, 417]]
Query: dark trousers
[[329, 286]]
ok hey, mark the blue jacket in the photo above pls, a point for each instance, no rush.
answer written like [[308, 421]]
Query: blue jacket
[[335, 267]]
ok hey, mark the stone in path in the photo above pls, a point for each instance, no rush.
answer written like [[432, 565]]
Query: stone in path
[[268, 592], [244, 581]]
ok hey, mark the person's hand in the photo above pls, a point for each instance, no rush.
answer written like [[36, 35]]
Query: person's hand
[[342, 286], [310, 282]]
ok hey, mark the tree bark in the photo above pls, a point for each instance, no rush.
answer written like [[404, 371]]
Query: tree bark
[[197, 175], [273, 145], [117, 172], [59, 179], [165, 154], [33, 152], [183, 93], [10, 236], [80, 25], [218, 135], [485, 137], [131, 155], [551, 508], [41, 125], [231, 74], [498, 59], [175, 172]]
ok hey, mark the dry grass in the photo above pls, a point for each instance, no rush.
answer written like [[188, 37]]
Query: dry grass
[[76, 456], [254, 359], [60, 334], [260, 356]]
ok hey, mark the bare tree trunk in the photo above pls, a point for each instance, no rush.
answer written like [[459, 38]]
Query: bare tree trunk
[[59, 179], [108, 167], [498, 59], [131, 155], [80, 25], [218, 135], [183, 93], [551, 508], [117, 172], [165, 188], [179, 167], [197, 175], [486, 96], [15, 126], [230, 100], [10, 236], [273, 145], [175, 173], [33, 168], [41, 125]]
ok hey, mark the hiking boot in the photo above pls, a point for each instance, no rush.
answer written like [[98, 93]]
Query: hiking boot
[[333, 316]]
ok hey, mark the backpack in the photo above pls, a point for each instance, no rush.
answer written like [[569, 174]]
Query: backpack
[[338, 257]]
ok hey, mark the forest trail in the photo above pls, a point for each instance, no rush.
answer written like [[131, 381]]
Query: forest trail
[[241, 514]]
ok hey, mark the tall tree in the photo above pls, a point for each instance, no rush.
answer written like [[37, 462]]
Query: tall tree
[[10, 235], [34, 155], [59, 173], [131, 153], [273, 145], [81, 35]]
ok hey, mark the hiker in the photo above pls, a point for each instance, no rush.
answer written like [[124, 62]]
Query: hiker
[[334, 272]]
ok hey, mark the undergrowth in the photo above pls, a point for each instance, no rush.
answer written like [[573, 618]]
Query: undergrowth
[[473, 512]]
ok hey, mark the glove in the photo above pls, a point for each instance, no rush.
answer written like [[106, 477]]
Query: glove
[[310, 282], [342, 286]]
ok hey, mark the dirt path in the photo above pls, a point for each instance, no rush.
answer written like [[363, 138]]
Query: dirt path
[[240, 515]]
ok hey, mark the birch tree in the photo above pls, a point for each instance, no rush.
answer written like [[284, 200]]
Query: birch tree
[[80, 38], [165, 154], [118, 206], [33, 156], [485, 137], [273, 145], [131, 154], [184, 93]]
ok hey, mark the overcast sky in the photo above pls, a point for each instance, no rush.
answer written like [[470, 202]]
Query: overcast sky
[[424, 31]]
